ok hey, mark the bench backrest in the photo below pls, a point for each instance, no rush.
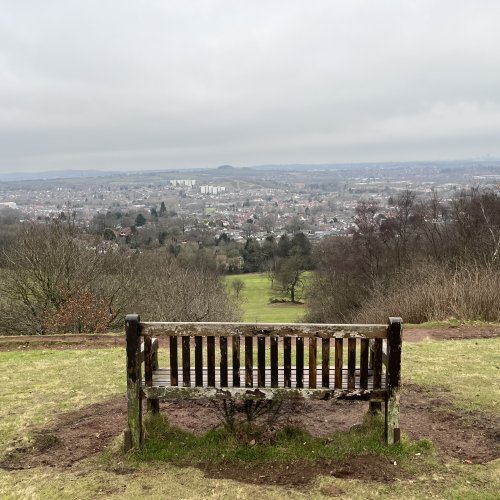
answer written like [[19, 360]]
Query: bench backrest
[[268, 351]]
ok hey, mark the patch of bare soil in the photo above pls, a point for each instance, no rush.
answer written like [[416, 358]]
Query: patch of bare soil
[[297, 474], [74, 436], [103, 341], [451, 333], [71, 341], [71, 437], [472, 437]]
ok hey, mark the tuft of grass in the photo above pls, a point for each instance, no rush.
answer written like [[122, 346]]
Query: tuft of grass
[[169, 444]]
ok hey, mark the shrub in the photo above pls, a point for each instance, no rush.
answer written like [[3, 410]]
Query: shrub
[[434, 293]]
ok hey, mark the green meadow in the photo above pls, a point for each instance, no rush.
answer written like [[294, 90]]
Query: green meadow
[[255, 301]]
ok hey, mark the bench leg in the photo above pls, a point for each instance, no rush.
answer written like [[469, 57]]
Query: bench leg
[[133, 438], [392, 428], [375, 406], [153, 405]]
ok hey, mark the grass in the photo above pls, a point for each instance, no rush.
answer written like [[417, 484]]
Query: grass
[[255, 303], [468, 369], [36, 385], [167, 443], [169, 481]]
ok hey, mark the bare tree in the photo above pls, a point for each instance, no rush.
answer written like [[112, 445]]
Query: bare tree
[[237, 285], [166, 290], [54, 277]]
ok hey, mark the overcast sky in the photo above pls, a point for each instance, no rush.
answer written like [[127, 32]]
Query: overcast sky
[[122, 84]]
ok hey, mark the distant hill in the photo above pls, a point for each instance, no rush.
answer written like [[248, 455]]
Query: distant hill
[[226, 170], [55, 174]]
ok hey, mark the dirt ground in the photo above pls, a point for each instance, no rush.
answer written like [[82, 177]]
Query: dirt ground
[[101, 341], [80, 434]]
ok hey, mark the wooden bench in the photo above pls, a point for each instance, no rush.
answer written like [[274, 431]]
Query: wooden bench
[[372, 371]]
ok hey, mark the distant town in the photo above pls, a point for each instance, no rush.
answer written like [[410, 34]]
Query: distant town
[[240, 202]]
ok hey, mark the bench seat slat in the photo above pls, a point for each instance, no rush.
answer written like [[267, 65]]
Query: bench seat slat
[[258, 393], [161, 377]]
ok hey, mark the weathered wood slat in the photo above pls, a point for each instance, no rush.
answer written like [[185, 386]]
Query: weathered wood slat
[[377, 363], [236, 361], [248, 361], [325, 362], [258, 393], [339, 355], [174, 363], [385, 358], [154, 404], [363, 364], [261, 361], [351, 361], [274, 361], [148, 367], [198, 361], [223, 362], [287, 361], [161, 376], [299, 360], [313, 354], [211, 361], [266, 329], [186, 362]]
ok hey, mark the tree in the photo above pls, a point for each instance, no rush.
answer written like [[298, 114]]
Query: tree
[[238, 285], [284, 246], [163, 209], [170, 290], [290, 277], [252, 256], [140, 220], [53, 276], [109, 234]]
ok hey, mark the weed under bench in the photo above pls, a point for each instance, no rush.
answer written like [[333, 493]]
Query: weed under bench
[[262, 361]]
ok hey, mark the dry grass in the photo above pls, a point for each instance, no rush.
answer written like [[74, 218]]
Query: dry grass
[[434, 293]]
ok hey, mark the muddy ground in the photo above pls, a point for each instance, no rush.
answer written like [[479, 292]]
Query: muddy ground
[[83, 433], [101, 341], [469, 437]]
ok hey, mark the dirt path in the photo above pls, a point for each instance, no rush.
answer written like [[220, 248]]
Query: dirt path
[[102, 341], [451, 333]]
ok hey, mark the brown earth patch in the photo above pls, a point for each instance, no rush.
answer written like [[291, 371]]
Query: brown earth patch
[[74, 436], [68, 341], [300, 473], [451, 333], [103, 341]]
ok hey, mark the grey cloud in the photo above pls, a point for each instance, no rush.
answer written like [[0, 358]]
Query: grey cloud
[[122, 84]]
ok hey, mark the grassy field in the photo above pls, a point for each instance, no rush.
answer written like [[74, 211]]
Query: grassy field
[[36, 385], [255, 304], [469, 369]]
